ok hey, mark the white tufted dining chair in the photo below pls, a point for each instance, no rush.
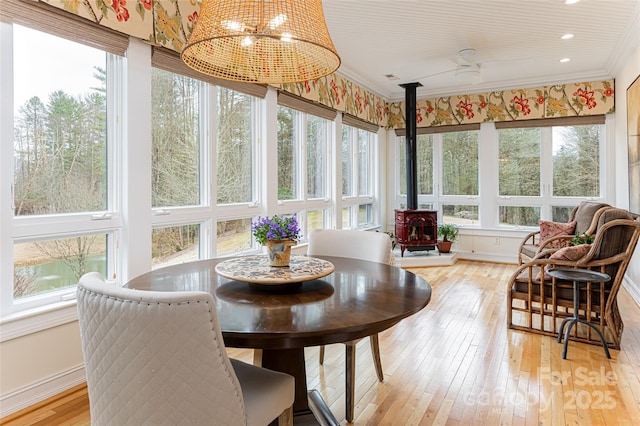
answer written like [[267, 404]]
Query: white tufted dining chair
[[159, 358], [362, 245]]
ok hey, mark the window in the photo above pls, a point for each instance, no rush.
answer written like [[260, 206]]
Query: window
[[539, 172], [60, 127], [358, 147], [236, 169], [460, 163], [235, 143], [171, 245], [288, 173], [576, 161], [448, 175], [424, 151], [317, 219], [177, 184], [519, 162], [519, 173], [545, 171], [365, 214], [364, 163], [346, 217], [303, 167], [62, 164], [347, 163], [316, 157], [233, 236], [45, 266], [176, 142]]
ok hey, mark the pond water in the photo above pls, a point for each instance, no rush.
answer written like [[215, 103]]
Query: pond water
[[56, 275]]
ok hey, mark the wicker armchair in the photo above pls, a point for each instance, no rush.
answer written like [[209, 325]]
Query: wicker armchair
[[536, 302], [586, 216]]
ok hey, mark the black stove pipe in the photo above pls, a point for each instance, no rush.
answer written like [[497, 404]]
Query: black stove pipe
[[412, 140]]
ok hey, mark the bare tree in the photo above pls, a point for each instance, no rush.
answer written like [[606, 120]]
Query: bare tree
[[234, 163], [73, 252], [25, 282], [175, 148]]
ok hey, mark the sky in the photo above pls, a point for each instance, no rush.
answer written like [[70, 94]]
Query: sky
[[47, 63]]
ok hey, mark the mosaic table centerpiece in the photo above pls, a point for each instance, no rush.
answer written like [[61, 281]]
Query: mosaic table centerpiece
[[256, 270]]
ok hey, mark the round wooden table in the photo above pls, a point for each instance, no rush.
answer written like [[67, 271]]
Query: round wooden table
[[357, 300]]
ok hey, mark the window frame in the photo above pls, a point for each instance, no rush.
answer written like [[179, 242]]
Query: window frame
[[488, 199], [233, 211], [354, 201], [303, 203], [546, 201], [437, 199], [203, 148], [33, 228], [169, 216]]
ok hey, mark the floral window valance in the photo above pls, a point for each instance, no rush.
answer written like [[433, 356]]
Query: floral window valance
[[566, 100]]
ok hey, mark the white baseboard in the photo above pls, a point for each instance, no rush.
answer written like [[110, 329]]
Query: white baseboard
[[489, 257], [37, 392], [433, 258], [424, 259], [632, 288]]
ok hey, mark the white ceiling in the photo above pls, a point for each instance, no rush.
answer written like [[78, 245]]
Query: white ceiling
[[517, 42]]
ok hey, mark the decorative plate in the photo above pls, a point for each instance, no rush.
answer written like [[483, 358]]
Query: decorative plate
[[256, 269]]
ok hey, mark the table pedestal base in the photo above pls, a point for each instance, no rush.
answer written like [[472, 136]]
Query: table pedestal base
[[291, 361]]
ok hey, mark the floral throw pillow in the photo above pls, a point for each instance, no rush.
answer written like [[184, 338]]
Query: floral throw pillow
[[572, 252], [553, 229], [568, 253]]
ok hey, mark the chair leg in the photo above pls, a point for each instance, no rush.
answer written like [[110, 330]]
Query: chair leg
[[257, 357], [350, 378], [286, 418], [375, 353], [321, 354]]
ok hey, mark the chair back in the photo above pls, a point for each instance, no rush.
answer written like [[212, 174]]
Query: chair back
[[362, 245], [616, 238], [586, 215], [155, 357]]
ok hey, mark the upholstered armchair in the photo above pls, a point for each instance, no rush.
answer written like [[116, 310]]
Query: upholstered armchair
[[159, 358], [585, 216], [536, 302]]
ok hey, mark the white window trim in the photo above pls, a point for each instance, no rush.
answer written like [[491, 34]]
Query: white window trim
[[546, 200], [488, 200], [355, 200], [203, 213], [34, 313], [303, 203]]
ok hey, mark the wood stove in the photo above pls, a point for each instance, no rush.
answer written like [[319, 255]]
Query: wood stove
[[416, 229]]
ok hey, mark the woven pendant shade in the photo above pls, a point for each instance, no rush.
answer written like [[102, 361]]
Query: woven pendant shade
[[261, 41]]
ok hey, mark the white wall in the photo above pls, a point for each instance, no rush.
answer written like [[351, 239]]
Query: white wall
[[628, 73], [39, 365]]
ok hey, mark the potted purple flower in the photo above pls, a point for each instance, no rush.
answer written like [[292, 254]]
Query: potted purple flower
[[278, 234]]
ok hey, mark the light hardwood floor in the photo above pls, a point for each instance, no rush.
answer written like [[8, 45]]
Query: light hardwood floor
[[456, 363]]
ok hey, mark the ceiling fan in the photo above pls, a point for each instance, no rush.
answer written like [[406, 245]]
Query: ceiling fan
[[468, 67]]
